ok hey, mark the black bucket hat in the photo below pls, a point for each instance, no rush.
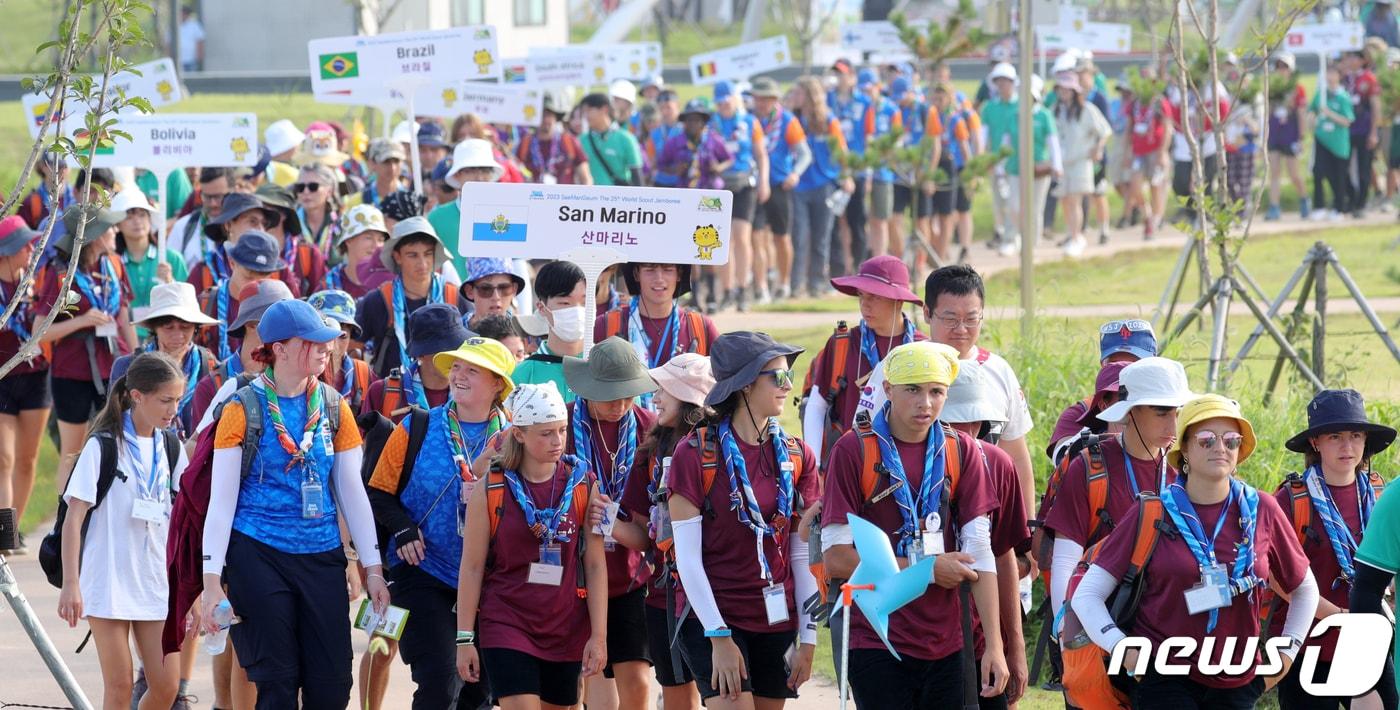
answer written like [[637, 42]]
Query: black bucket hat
[[736, 358], [435, 328], [634, 286], [279, 199], [235, 203], [1340, 410]]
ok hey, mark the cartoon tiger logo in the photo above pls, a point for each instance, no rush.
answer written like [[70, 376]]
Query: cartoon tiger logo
[[706, 240], [239, 146], [483, 60]]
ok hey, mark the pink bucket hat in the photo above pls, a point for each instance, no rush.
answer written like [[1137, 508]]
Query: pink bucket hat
[[885, 276], [686, 377]]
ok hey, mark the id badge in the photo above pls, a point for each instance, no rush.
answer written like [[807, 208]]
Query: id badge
[[933, 535], [550, 569], [311, 499], [1329, 126], [1140, 128], [549, 179], [605, 528], [151, 511], [1212, 592], [1281, 113], [775, 603], [106, 330]]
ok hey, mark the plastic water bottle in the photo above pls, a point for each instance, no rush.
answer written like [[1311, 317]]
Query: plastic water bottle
[[215, 643], [838, 200]]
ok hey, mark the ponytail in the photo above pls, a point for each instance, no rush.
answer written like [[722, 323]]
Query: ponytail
[[148, 372]]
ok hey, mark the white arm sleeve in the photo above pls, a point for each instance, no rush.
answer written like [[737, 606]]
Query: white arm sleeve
[[833, 535], [1062, 563], [814, 422], [354, 505], [977, 541], [1302, 606], [690, 561], [223, 500], [801, 157], [1056, 159], [804, 586], [1088, 605]]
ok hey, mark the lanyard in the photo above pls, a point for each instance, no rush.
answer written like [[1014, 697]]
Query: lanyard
[[216, 261], [613, 477], [107, 297], [867, 342], [1132, 473], [912, 510], [742, 499], [545, 522], [540, 162], [148, 479], [413, 383], [221, 307], [641, 342], [335, 277]]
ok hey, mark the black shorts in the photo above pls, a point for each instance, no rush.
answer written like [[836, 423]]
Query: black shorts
[[659, 631], [744, 202], [944, 202], [1288, 150], [429, 644], [765, 656], [879, 680], [22, 393], [627, 629], [775, 214], [75, 401], [905, 196], [518, 673]]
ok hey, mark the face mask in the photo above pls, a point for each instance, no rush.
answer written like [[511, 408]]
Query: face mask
[[568, 323]]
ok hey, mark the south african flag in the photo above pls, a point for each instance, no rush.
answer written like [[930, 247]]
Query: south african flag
[[341, 65]]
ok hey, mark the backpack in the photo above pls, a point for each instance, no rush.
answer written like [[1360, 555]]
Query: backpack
[[393, 396], [830, 391], [1086, 681], [184, 551], [377, 429], [51, 548], [386, 292], [694, 325], [495, 508]]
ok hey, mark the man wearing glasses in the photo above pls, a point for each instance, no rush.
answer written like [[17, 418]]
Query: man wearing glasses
[[186, 235]]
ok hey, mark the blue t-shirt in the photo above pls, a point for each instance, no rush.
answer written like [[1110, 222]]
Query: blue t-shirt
[[737, 133]]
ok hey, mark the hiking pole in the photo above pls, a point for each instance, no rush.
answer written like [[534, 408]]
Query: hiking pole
[[846, 601], [9, 586]]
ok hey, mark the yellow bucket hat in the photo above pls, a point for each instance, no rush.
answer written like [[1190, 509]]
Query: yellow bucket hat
[[1210, 406], [920, 363], [485, 353]]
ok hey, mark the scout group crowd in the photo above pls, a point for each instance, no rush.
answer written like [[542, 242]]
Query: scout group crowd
[[313, 396]]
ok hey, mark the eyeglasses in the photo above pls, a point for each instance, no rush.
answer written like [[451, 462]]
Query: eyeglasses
[[301, 187], [488, 290], [781, 378], [1233, 441], [951, 322], [209, 199]]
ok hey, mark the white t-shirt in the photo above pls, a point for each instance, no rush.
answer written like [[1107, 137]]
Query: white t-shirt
[[123, 570], [996, 367], [191, 34], [193, 249]]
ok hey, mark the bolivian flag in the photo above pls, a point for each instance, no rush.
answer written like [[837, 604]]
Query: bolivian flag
[[706, 69], [341, 65]]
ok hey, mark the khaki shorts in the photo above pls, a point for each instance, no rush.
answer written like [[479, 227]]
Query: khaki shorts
[[1149, 169], [881, 199]]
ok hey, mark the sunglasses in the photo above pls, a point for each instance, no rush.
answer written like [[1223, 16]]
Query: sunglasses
[[488, 290], [301, 187], [1206, 440], [781, 378]]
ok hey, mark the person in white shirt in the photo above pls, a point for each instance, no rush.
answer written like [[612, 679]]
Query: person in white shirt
[[191, 36]]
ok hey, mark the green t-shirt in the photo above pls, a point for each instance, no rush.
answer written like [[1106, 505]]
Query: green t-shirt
[[1042, 128], [142, 276], [177, 190], [620, 155], [1380, 546], [999, 117], [1331, 135], [447, 221], [537, 370]]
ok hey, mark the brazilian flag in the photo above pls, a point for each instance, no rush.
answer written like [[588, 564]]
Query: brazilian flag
[[341, 65]]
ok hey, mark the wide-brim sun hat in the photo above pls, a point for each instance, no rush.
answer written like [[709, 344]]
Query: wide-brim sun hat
[[97, 219], [1341, 410], [623, 89], [174, 300], [234, 204], [1106, 382], [131, 198], [1205, 407], [473, 153], [612, 371], [435, 328], [14, 234], [736, 359], [254, 300], [358, 220], [285, 320], [634, 285], [482, 266], [687, 377], [337, 305], [973, 398], [884, 276], [485, 353], [275, 198], [282, 136], [1151, 382], [405, 229]]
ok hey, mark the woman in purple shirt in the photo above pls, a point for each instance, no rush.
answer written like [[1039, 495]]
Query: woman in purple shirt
[[697, 155]]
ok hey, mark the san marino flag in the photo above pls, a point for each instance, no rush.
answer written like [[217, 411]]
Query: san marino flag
[[499, 223]]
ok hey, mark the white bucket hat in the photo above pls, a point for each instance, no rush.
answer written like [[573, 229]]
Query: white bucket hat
[[360, 219], [623, 89], [130, 199], [282, 136], [1152, 382], [405, 132], [1004, 70], [972, 398], [473, 153], [536, 404], [176, 300]]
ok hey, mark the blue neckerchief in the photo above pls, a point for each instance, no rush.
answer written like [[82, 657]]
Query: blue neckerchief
[[912, 510], [742, 499], [335, 277], [216, 261], [347, 370], [19, 320], [149, 479], [412, 381], [544, 522], [668, 347], [537, 159], [867, 341], [1132, 475], [232, 366], [111, 299], [193, 367], [1188, 523], [1343, 543], [612, 476], [221, 298]]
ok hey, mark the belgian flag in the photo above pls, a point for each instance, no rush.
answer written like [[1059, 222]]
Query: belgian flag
[[706, 69]]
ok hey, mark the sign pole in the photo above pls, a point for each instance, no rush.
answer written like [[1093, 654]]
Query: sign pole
[[1025, 149], [408, 86], [593, 262], [160, 213]]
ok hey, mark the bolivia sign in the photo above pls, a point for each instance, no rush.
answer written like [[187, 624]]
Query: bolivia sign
[[155, 81], [662, 225], [741, 61], [1324, 39], [177, 139], [512, 104], [358, 70]]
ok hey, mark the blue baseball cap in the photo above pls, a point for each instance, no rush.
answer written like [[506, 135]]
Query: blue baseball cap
[[723, 90], [431, 134], [865, 77], [285, 320], [899, 87], [1134, 337], [257, 251]]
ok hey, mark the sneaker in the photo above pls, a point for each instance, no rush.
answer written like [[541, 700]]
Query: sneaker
[[1103, 237], [741, 300], [1148, 231], [765, 296], [1319, 215], [1272, 213], [1009, 247], [1064, 242], [1335, 216], [1122, 222], [19, 549], [962, 255], [1304, 207], [996, 241], [1074, 248], [1136, 218], [184, 702], [782, 293], [138, 689], [1359, 213]]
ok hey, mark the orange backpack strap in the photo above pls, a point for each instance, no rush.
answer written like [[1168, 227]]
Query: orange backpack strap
[[1300, 509], [386, 291], [699, 339], [708, 443], [393, 393], [612, 322], [870, 461], [1149, 531], [450, 295], [840, 352], [1096, 473], [304, 262], [952, 459], [1377, 483], [495, 496], [361, 385]]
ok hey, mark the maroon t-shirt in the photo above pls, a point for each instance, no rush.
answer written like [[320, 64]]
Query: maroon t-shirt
[[857, 372], [70, 355], [375, 399], [547, 622], [929, 628], [1323, 560], [1067, 425], [728, 550], [1070, 518], [1008, 518], [1172, 570], [209, 304], [654, 328], [626, 568], [636, 500], [9, 342]]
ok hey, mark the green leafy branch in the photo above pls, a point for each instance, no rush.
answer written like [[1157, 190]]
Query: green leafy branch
[[935, 43]]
